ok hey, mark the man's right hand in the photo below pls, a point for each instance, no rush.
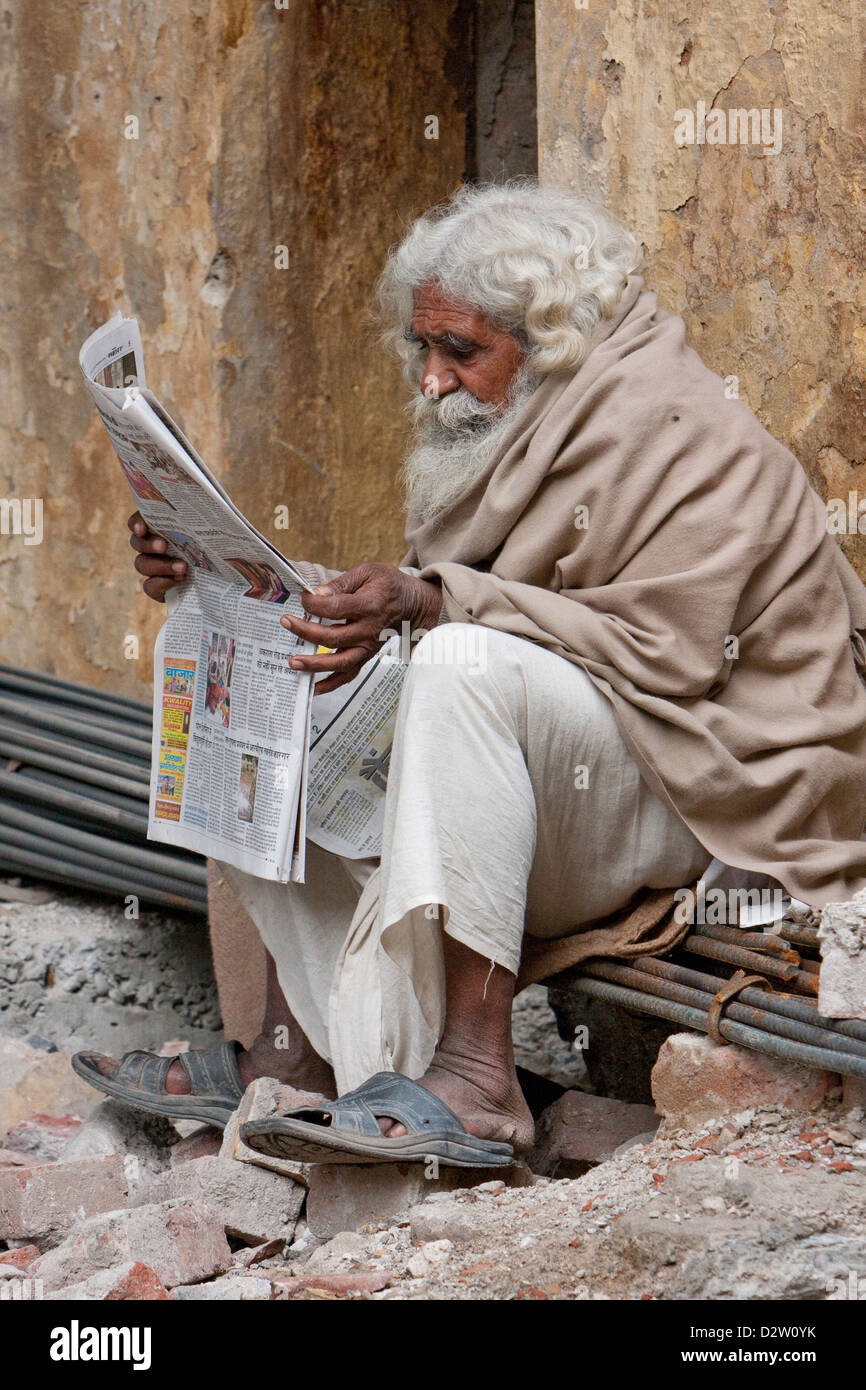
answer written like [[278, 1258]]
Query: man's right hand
[[162, 572]]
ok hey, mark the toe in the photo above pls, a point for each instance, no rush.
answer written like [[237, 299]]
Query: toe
[[106, 1065]]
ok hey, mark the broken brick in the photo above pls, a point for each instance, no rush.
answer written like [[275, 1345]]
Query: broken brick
[[183, 1242], [695, 1079], [46, 1200]]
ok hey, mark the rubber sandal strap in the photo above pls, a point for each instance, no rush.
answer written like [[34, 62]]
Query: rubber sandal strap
[[213, 1071], [143, 1071], [387, 1095]]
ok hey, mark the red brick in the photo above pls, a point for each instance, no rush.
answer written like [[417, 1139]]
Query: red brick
[[137, 1282], [361, 1281], [20, 1258], [695, 1079], [579, 1131]]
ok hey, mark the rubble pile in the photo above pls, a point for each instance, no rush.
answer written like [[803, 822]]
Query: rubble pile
[[745, 1179], [101, 1202]]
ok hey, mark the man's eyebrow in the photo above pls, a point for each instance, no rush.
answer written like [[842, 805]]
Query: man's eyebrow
[[452, 340]]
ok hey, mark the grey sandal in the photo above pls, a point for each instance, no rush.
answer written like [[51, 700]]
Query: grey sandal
[[139, 1080], [347, 1130]]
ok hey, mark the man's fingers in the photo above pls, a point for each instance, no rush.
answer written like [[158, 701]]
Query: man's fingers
[[148, 544], [338, 635], [338, 606], [332, 661], [154, 565], [321, 687], [158, 588], [137, 524]]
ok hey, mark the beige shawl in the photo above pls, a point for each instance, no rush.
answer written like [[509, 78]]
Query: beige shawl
[[699, 527]]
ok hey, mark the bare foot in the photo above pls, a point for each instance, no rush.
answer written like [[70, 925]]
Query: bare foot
[[301, 1067], [483, 1095]]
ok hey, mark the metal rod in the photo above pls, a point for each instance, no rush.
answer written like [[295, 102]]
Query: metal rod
[[758, 1041], [38, 775], [136, 770], [84, 859], [750, 960], [74, 687], [173, 862], [23, 787], [800, 936], [58, 872], [84, 699], [787, 1005], [762, 942], [741, 1013], [62, 724], [79, 771]]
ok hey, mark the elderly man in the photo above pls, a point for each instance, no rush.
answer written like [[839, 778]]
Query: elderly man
[[664, 681]]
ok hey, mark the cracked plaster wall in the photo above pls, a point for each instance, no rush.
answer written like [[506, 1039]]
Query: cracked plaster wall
[[763, 255], [258, 127]]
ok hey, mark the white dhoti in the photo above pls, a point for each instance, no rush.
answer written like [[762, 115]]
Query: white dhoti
[[512, 803]]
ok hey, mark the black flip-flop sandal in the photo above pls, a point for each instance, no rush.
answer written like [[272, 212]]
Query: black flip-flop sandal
[[138, 1079], [346, 1130]]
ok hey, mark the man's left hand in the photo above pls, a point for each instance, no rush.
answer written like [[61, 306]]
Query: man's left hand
[[366, 601]]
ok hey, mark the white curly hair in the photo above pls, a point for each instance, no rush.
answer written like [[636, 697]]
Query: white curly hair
[[542, 263]]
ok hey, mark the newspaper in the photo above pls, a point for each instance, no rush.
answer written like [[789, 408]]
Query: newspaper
[[245, 766]]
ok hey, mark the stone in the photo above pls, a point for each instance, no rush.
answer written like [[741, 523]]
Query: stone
[[228, 1289], [131, 1282], [355, 1281], [35, 1081], [432, 1256], [579, 1131], [43, 1137], [696, 1079], [43, 1202], [842, 938], [20, 1258], [343, 1196], [455, 1221], [142, 1140], [337, 1254], [204, 1142], [853, 1092], [265, 1097], [773, 1236], [255, 1254], [254, 1204], [183, 1242]]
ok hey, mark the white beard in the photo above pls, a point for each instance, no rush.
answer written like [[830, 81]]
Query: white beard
[[457, 436]]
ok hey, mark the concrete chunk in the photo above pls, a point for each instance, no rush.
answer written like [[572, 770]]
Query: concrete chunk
[[42, 1202], [344, 1196], [842, 937], [254, 1205], [35, 1081], [183, 1242]]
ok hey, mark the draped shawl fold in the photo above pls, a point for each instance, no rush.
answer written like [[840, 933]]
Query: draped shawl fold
[[699, 528]]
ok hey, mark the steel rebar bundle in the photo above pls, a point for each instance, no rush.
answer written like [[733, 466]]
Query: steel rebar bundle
[[766, 1021], [74, 793]]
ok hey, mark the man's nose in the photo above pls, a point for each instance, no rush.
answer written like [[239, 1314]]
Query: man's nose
[[439, 379]]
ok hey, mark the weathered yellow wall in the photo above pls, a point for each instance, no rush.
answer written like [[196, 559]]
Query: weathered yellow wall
[[763, 255], [258, 127]]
